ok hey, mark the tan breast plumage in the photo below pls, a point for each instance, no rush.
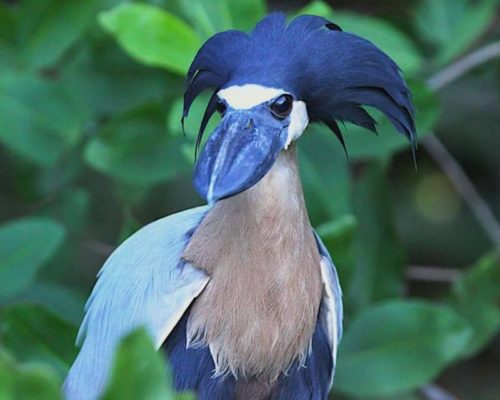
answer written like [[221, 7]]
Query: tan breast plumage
[[259, 309]]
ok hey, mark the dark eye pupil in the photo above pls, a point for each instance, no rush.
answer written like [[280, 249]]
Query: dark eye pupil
[[220, 107], [282, 106]]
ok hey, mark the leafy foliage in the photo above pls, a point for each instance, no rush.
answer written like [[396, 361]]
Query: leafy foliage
[[393, 347], [35, 335], [152, 36], [476, 296], [25, 246], [91, 148], [135, 148], [378, 270], [45, 29], [40, 120], [29, 382], [137, 359], [456, 24]]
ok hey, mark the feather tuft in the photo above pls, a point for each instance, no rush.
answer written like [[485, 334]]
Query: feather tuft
[[334, 72]]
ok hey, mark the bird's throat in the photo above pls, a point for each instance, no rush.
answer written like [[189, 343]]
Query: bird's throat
[[260, 307]]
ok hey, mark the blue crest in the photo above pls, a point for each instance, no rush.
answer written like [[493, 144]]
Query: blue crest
[[334, 72]]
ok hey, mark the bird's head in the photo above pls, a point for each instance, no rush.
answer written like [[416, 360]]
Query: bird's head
[[269, 84]]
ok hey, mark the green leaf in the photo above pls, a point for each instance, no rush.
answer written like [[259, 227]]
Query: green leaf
[[390, 39], [398, 346], [35, 335], [442, 15], [152, 36], [208, 17], [246, 13], [362, 144], [47, 28], [71, 208], [476, 21], [337, 232], [325, 175], [456, 24], [317, 7], [338, 236], [27, 382], [7, 25], [106, 80], [378, 270], [7, 36], [139, 372], [64, 302], [135, 148], [25, 246], [476, 297], [39, 120]]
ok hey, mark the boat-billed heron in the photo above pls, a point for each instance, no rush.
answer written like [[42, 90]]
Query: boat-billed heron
[[241, 295]]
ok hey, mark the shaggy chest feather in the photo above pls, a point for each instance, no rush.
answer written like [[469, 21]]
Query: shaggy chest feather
[[258, 312]]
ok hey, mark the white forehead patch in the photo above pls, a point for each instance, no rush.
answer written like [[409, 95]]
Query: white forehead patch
[[248, 96], [298, 121]]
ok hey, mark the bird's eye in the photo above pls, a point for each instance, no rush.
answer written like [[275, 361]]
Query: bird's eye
[[282, 106], [221, 106]]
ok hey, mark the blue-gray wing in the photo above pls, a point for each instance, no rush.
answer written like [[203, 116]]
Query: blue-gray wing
[[143, 283], [331, 305]]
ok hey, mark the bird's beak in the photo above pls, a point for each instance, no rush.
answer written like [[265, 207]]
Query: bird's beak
[[240, 151]]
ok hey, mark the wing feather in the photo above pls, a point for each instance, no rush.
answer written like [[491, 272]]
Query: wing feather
[[143, 283], [331, 307]]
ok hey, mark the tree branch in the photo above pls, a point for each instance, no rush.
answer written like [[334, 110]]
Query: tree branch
[[464, 187], [443, 157], [432, 274], [98, 248], [435, 392], [464, 65]]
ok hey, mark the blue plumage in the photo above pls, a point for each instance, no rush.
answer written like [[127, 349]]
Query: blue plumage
[[334, 72], [311, 382], [143, 283], [193, 370]]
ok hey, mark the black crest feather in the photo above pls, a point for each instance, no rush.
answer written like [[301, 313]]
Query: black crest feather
[[334, 72]]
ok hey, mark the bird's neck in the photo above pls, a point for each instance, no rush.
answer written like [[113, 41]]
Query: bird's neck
[[277, 199], [269, 212]]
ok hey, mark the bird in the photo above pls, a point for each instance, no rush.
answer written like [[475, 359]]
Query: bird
[[241, 295]]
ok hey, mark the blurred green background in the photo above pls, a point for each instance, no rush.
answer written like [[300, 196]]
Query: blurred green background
[[91, 149]]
